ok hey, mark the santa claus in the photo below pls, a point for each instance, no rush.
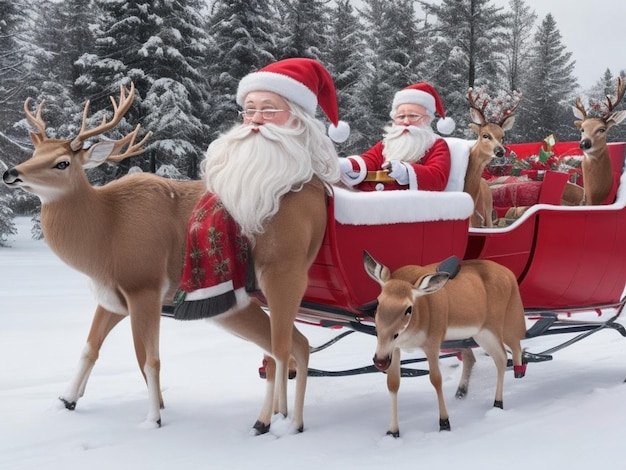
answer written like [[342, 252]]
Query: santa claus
[[415, 156]]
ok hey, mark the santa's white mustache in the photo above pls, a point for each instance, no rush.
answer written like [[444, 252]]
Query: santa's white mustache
[[398, 130], [269, 131]]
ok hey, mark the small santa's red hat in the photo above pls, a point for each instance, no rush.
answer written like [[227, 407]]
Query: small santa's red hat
[[303, 81], [425, 95]]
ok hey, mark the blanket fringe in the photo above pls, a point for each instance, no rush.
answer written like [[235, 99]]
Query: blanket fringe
[[203, 308]]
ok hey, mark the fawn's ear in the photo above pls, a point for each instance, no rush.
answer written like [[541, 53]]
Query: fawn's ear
[[377, 271], [429, 284]]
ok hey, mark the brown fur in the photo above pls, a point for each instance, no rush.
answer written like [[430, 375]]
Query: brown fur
[[488, 145], [482, 302], [128, 236], [596, 165]]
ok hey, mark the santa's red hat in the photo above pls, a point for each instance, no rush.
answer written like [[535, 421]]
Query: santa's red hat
[[303, 81], [425, 95]]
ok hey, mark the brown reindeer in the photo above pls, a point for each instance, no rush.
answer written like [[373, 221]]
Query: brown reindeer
[[490, 133], [419, 307], [128, 236], [596, 164]]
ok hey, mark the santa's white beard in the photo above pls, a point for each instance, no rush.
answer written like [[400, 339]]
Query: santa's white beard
[[251, 167], [411, 146]]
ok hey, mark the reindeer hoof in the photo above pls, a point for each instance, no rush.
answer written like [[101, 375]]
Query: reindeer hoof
[[498, 404], [395, 434], [461, 392], [444, 424], [261, 428], [68, 405]]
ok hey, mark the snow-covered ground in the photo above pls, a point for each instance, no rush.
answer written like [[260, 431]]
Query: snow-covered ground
[[566, 413]]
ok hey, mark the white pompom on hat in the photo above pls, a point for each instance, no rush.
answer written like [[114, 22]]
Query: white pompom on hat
[[425, 95], [303, 81]]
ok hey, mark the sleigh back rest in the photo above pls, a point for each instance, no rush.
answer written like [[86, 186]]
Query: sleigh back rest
[[459, 158]]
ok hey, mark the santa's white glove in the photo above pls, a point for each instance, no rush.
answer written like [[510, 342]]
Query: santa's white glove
[[398, 171], [345, 165]]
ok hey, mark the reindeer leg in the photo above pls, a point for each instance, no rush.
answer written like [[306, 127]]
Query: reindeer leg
[[467, 356], [393, 385], [301, 354], [145, 319], [102, 323], [494, 347], [283, 301], [253, 324], [432, 354]]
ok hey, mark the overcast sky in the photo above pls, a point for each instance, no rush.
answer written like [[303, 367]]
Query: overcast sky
[[593, 31]]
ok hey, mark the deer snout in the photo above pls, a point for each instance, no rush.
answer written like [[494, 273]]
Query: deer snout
[[11, 176], [382, 364], [499, 152], [585, 144]]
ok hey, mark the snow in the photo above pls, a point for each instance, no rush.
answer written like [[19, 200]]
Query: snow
[[566, 413]]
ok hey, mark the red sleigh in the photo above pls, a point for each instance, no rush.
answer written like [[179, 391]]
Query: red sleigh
[[566, 259]]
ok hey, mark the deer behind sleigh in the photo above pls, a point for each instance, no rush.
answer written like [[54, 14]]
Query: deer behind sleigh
[[489, 133], [596, 165], [128, 237]]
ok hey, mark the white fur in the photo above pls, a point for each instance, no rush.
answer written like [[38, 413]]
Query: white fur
[[390, 207]]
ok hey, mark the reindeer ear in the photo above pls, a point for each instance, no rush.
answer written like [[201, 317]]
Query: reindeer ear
[[377, 271], [578, 114], [477, 117], [430, 283], [508, 122], [578, 124], [97, 154], [475, 128], [617, 117]]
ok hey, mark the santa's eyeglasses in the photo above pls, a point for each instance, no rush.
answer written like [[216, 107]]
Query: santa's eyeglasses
[[266, 114], [412, 118]]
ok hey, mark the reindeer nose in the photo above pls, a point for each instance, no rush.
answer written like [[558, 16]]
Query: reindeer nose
[[10, 176], [499, 152], [585, 144], [382, 364]]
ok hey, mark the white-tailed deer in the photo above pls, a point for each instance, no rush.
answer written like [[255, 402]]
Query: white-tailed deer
[[490, 132], [596, 164], [128, 236], [419, 307]]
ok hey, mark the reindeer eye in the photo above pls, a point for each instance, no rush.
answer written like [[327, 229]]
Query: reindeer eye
[[408, 311], [486, 136], [395, 336], [62, 165]]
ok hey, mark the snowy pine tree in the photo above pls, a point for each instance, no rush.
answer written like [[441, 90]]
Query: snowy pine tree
[[551, 88]]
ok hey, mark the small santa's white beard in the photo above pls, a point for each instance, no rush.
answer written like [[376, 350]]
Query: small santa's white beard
[[251, 167], [407, 143]]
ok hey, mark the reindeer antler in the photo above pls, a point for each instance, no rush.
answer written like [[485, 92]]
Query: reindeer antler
[[597, 109], [126, 100], [132, 149], [492, 110], [610, 106], [36, 120], [477, 112]]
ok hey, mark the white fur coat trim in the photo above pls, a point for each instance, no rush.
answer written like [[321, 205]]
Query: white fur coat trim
[[402, 206]]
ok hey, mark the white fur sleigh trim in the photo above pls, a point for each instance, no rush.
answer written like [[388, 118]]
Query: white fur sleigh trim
[[402, 206]]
